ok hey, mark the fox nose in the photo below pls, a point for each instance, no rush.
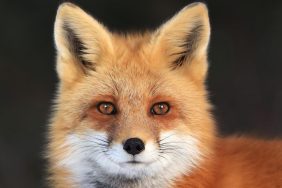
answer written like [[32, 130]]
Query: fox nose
[[134, 146]]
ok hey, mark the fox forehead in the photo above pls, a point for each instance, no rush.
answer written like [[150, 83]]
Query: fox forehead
[[135, 83], [130, 73], [132, 56], [136, 90]]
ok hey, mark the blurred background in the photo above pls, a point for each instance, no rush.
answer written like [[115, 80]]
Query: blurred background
[[244, 79]]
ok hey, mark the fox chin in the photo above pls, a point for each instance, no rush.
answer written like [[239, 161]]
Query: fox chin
[[132, 111]]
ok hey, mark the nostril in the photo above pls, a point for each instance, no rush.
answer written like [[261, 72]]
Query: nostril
[[134, 146], [127, 148], [139, 148]]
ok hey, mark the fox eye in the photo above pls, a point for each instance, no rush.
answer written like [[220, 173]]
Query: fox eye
[[160, 108], [106, 108]]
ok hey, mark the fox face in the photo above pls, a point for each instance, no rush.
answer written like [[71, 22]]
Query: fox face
[[131, 109]]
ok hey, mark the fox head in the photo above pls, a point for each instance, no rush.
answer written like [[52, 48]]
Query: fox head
[[131, 106]]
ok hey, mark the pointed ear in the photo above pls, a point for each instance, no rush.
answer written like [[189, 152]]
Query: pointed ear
[[183, 40], [80, 41]]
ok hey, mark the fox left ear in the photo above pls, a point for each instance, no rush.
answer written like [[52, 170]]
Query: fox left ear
[[183, 41]]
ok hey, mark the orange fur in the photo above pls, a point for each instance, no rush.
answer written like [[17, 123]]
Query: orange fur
[[239, 162], [136, 71]]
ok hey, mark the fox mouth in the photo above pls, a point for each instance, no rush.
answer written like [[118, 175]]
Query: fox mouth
[[134, 162]]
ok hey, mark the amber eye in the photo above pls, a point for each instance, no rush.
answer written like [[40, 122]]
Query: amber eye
[[160, 108], [106, 108]]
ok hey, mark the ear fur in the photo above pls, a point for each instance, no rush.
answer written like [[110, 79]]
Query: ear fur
[[80, 42], [184, 39]]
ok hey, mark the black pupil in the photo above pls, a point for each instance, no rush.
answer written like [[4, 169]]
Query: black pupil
[[160, 109], [106, 108], [161, 106]]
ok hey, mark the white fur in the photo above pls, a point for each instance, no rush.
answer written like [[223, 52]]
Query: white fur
[[87, 161]]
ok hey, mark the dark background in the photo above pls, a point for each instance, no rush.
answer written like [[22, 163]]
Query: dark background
[[244, 81]]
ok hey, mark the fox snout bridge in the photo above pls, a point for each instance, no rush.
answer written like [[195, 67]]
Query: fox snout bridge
[[134, 146]]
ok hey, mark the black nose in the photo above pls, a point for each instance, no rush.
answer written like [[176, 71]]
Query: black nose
[[134, 146]]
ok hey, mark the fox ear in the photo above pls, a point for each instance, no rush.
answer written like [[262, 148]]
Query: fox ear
[[183, 40], [80, 41]]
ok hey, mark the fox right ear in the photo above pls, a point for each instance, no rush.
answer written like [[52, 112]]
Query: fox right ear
[[80, 42]]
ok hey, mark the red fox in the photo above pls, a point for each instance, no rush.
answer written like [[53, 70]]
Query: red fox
[[132, 111]]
